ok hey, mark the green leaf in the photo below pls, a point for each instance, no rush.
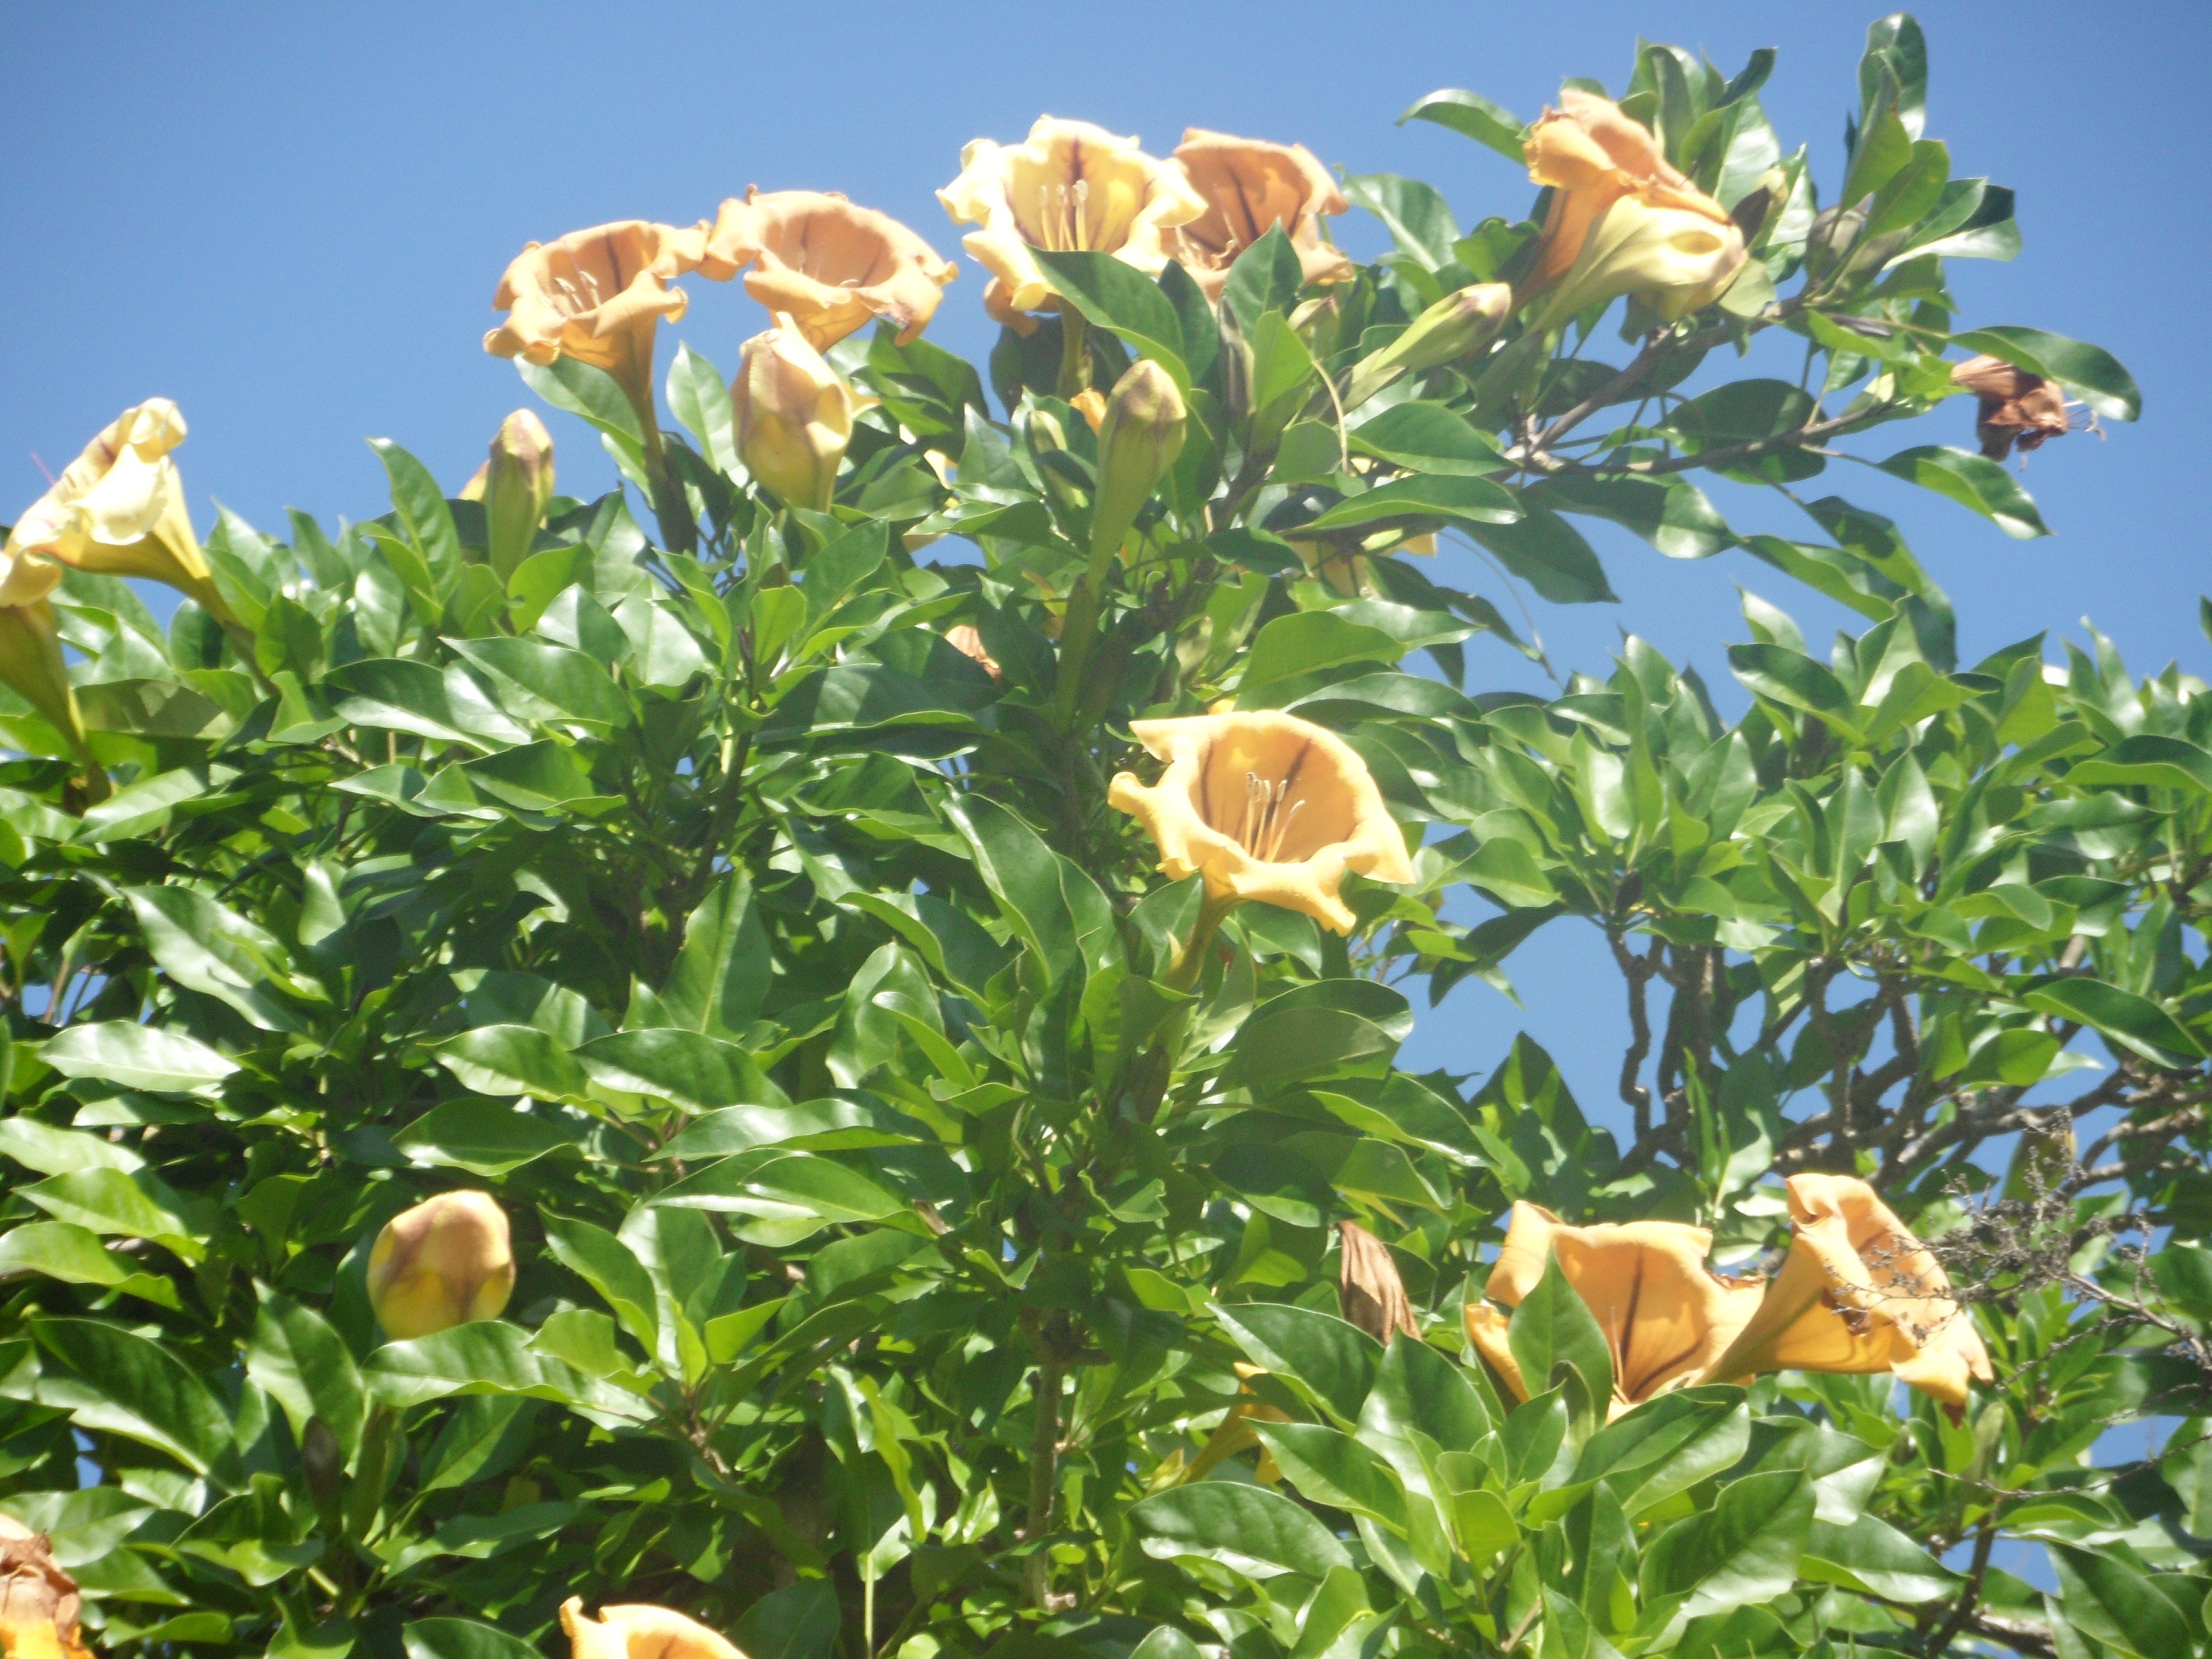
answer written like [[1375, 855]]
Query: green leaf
[[462, 1638], [1472, 116], [700, 398], [1874, 1558], [209, 948], [1475, 500], [1974, 482], [423, 511], [799, 1621], [135, 1056], [1330, 1358], [74, 1256], [1742, 1551], [118, 1203], [1121, 299], [2109, 1601], [401, 695], [610, 1267], [1427, 437], [1671, 514], [1320, 1026], [1327, 1465], [511, 1059], [721, 974], [1796, 681], [539, 680], [1266, 276], [1249, 1530], [583, 390], [2147, 758], [689, 1069], [484, 1137], [487, 1356], [2089, 372], [1305, 642], [1418, 1391], [800, 1190], [120, 1382], [1550, 555], [1552, 1328], [1416, 214], [299, 1362], [2134, 1022], [1668, 1445], [1055, 908], [819, 1125]]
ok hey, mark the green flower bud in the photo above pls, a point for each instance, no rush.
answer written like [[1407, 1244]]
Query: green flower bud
[[517, 483], [1458, 325], [1137, 442]]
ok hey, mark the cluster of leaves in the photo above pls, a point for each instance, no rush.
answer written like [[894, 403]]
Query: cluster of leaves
[[907, 1265]]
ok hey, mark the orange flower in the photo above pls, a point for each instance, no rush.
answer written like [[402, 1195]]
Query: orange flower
[[2016, 407], [1623, 220], [1665, 1314], [1858, 1294], [1250, 186], [597, 295], [968, 641], [1264, 806], [1069, 186], [640, 1632], [827, 264]]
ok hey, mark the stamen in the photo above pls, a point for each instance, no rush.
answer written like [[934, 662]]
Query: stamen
[[1263, 824]]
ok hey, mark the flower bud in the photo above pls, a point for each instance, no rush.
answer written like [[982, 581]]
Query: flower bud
[[794, 416], [1138, 441], [1461, 323], [39, 1602], [640, 1632], [517, 484], [446, 1262]]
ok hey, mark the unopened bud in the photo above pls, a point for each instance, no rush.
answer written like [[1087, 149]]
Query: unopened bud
[[1459, 324], [517, 484], [446, 1262], [794, 416], [1137, 442], [39, 1602]]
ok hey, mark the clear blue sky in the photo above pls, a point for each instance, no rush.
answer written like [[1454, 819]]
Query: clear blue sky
[[291, 219]]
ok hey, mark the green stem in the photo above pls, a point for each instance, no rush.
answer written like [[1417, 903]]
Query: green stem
[[670, 509], [1074, 356], [1044, 1463]]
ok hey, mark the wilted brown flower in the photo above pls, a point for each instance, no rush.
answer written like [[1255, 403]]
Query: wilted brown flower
[[2017, 407], [1368, 1287], [39, 1602], [1250, 186]]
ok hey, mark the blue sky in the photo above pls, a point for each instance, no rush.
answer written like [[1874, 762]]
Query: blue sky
[[291, 219]]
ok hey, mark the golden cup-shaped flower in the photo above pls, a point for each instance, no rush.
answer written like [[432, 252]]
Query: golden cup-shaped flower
[[1623, 219], [1858, 1293], [517, 484], [117, 510], [1250, 186], [1069, 186], [1666, 1316], [828, 265], [794, 417], [39, 1602], [597, 295], [447, 1261], [640, 1633], [2016, 407], [1264, 806]]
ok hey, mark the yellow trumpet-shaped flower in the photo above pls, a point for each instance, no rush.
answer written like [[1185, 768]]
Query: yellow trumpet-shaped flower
[[827, 264], [640, 1633], [1249, 187], [1264, 806], [1666, 1316], [1859, 1293], [117, 510], [1070, 185], [39, 1602], [447, 1261], [794, 416], [1623, 219], [597, 295]]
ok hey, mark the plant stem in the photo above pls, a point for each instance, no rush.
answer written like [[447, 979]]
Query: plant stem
[[1044, 1459], [1074, 356]]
